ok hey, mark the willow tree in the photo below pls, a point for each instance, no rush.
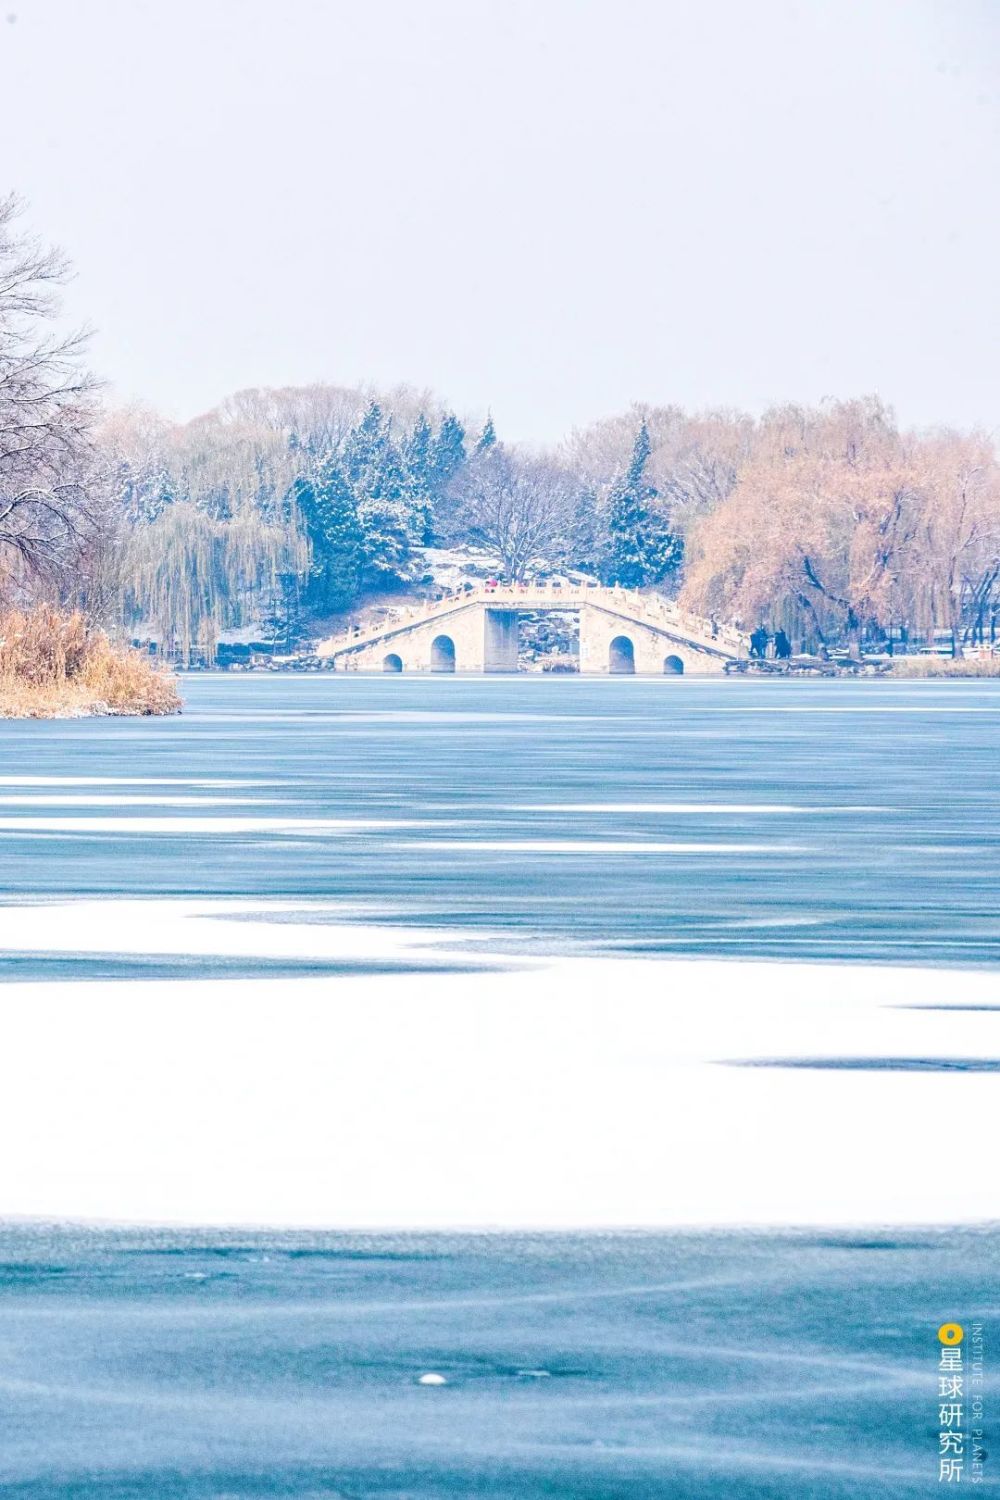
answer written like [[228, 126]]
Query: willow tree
[[815, 544], [190, 575], [954, 581], [818, 529]]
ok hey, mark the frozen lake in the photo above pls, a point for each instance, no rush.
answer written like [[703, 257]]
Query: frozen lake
[[790, 820], [605, 1367], [401, 955]]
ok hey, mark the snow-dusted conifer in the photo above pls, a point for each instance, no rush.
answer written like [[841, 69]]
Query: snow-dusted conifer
[[641, 547]]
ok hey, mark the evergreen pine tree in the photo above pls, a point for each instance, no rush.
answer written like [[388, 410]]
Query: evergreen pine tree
[[417, 448], [417, 457], [586, 541], [388, 538], [389, 525], [327, 504], [364, 449], [641, 547], [447, 455], [383, 527], [488, 436]]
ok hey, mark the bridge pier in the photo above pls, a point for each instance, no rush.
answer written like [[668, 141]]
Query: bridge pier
[[500, 642]]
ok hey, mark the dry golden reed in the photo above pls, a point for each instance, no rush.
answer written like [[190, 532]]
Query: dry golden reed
[[946, 666], [55, 665]]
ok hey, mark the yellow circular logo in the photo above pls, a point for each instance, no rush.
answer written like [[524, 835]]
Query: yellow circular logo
[[951, 1333]]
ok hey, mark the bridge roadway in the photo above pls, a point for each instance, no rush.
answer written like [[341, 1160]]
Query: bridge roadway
[[476, 630]]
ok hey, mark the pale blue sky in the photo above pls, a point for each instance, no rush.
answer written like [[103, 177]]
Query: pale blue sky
[[550, 207]]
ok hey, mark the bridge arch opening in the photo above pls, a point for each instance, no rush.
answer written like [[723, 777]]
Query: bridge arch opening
[[621, 657], [392, 663], [442, 654], [672, 666]]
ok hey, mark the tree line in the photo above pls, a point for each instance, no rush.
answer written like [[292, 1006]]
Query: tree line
[[828, 523], [297, 505], [283, 508]]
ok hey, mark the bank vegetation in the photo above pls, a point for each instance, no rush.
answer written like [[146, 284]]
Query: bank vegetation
[[284, 508], [284, 512], [946, 666], [59, 523], [56, 665]]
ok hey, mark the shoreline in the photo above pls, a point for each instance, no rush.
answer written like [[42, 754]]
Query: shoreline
[[85, 708], [287, 669]]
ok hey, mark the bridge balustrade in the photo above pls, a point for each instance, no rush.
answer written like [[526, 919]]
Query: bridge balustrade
[[643, 608]]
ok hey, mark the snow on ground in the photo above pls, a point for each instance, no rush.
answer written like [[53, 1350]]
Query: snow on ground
[[562, 1092]]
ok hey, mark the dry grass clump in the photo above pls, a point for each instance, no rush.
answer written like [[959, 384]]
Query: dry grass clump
[[946, 666], [55, 665]]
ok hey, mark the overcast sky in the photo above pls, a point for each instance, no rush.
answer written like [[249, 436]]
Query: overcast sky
[[551, 208]]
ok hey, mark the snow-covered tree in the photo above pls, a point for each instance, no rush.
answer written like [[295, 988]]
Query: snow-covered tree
[[488, 436], [328, 506], [448, 453], [641, 547], [417, 474], [521, 509]]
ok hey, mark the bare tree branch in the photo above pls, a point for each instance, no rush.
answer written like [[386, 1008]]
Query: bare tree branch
[[50, 492], [521, 509]]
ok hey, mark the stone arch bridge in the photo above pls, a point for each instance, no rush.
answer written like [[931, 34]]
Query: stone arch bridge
[[476, 630]]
